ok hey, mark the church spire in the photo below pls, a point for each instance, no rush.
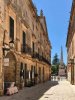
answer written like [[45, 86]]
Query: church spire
[[61, 58], [61, 65]]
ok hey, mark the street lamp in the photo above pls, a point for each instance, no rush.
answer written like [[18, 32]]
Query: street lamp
[[11, 44], [72, 61], [5, 49]]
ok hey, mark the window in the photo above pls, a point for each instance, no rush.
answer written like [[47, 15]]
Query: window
[[11, 28], [33, 47], [72, 47], [24, 38], [23, 41], [21, 70], [32, 72], [21, 66], [39, 74], [43, 73], [38, 51], [26, 73]]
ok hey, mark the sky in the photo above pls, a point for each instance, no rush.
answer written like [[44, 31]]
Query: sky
[[57, 13]]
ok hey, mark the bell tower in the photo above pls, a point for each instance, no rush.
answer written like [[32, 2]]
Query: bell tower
[[61, 57]]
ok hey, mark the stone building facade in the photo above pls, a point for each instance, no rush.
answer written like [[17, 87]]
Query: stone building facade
[[71, 46], [25, 49]]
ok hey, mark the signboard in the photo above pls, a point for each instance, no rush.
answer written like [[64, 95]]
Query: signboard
[[6, 61]]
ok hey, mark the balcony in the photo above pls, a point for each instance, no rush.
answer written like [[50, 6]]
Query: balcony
[[40, 58], [45, 60], [26, 49]]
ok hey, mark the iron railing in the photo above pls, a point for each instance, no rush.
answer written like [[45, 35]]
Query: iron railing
[[28, 50]]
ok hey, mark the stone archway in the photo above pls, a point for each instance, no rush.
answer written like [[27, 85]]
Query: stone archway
[[10, 69]]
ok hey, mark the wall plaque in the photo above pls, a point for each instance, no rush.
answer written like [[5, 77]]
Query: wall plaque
[[6, 61]]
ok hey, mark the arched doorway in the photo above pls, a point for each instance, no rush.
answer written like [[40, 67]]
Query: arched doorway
[[10, 69]]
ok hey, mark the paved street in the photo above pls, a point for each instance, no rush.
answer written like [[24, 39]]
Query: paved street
[[51, 90]]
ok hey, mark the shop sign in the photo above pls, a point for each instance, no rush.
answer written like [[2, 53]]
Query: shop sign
[[6, 61]]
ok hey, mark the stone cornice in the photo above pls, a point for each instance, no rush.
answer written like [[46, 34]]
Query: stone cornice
[[32, 8], [18, 13]]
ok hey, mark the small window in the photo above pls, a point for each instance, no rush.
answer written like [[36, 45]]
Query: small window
[[33, 47], [11, 28], [21, 70], [24, 38], [21, 66]]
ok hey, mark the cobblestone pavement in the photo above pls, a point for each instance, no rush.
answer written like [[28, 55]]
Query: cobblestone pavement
[[51, 90]]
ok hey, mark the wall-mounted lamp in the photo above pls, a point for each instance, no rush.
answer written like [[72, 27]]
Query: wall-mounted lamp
[[5, 49], [71, 61], [11, 44]]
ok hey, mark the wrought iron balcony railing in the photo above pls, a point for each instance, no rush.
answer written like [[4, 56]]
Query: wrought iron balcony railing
[[26, 49], [40, 58]]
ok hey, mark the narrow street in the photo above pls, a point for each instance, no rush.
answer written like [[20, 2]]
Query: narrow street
[[51, 90]]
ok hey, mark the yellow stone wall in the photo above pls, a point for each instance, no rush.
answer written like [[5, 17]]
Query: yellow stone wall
[[25, 19]]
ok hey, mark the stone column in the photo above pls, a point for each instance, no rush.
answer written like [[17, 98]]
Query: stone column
[[74, 70], [1, 44], [18, 73], [1, 61], [1, 72]]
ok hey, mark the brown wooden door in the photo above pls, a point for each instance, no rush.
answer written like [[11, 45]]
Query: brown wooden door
[[10, 71]]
